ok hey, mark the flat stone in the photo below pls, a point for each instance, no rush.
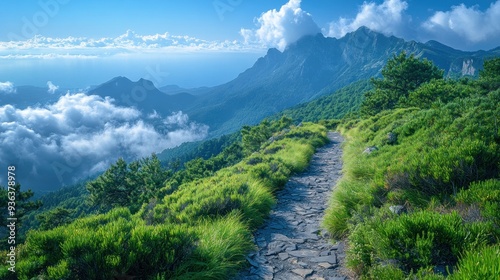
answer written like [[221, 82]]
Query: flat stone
[[334, 247], [252, 262], [326, 265], [276, 226], [279, 237], [265, 272], [303, 264], [304, 253], [283, 256], [275, 247], [329, 259], [303, 272], [290, 247]]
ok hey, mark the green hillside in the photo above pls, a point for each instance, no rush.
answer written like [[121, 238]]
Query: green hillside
[[196, 225], [419, 197]]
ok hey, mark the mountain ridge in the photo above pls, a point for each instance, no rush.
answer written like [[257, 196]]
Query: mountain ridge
[[307, 69]]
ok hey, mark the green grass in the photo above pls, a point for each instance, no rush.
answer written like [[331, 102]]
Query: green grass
[[479, 264], [443, 168], [202, 230]]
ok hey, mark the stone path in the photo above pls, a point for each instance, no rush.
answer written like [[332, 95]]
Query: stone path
[[291, 244]]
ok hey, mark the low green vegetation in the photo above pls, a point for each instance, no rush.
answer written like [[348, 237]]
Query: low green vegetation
[[420, 195], [337, 105], [195, 225]]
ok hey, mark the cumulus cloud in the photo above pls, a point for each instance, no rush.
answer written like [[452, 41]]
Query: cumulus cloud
[[387, 18], [52, 88], [280, 28], [79, 135], [464, 26], [7, 87]]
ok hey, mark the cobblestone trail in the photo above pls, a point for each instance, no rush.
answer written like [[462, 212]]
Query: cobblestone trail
[[291, 243]]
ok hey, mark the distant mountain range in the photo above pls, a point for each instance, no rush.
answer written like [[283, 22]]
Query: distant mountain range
[[309, 68]]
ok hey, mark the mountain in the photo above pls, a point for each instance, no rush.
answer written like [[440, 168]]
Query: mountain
[[309, 68], [143, 95], [315, 66], [25, 96], [175, 89]]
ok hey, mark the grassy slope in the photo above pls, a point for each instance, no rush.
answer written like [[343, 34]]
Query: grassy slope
[[201, 231], [444, 169]]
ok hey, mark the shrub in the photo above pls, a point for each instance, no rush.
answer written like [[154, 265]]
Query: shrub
[[414, 241], [479, 264], [222, 247], [115, 246]]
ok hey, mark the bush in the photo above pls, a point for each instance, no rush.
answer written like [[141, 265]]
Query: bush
[[479, 264], [414, 241], [222, 247], [486, 196], [105, 246]]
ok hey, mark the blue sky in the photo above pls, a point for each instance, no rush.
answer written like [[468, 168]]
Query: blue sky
[[33, 34]]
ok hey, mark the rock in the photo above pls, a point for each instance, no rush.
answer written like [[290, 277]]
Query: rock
[[392, 138], [369, 150], [443, 269], [304, 253], [276, 226], [329, 259], [303, 272], [265, 272], [303, 264], [291, 244], [252, 262], [283, 256], [275, 247], [279, 237], [290, 247], [397, 209], [326, 265]]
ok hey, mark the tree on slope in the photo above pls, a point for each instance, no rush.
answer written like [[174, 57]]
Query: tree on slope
[[401, 75]]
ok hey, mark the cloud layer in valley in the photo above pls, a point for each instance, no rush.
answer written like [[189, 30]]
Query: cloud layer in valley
[[52, 88], [7, 87], [80, 135], [280, 28]]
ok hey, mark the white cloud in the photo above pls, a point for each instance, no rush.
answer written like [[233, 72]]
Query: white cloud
[[177, 119], [280, 28], [41, 47], [79, 135], [462, 26], [48, 56], [387, 18], [52, 88], [7, 87]]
